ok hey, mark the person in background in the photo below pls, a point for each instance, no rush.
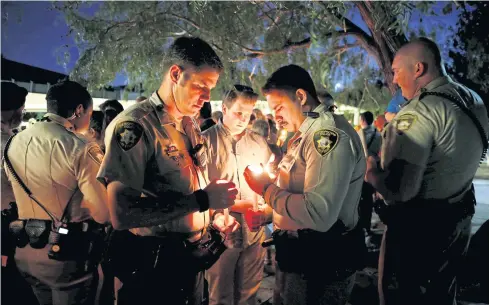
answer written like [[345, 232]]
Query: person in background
[[59, 166], [95, 130], [204, 118], [141, 98], [110, 108], [252, 120], [259, 114], [15, 289], [217, 116], [273, 135], [380, 122], [371, 142], [373, 139], [270, 117]]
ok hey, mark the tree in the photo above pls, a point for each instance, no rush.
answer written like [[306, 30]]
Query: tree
[[471, 61], [253, 37]]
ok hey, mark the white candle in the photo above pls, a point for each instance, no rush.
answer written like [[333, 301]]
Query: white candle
[[226, 217]]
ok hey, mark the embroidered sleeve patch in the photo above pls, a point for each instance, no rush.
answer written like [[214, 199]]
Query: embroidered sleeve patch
[[325, 140], [128, 134], [405, 121], [96, 154]]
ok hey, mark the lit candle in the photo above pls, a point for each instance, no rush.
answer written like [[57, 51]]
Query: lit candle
[[256, 169], [226, 217], [226, 211]]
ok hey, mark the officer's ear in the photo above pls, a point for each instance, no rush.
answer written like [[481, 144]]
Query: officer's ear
[[175, 73], [79, 110], [301, 95], [420, 68]]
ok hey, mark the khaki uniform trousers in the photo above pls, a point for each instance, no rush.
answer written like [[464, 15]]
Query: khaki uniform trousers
[[56, 282], [236, 276]]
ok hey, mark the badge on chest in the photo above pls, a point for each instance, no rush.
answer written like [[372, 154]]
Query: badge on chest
[[174, 154], [180, 157]]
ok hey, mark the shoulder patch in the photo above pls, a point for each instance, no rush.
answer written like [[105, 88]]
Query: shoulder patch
[[405, 121], [325, 140], [95, 152], [128, 134]]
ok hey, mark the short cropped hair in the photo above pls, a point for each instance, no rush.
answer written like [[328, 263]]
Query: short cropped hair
[[290, 78], [245, 92], [63, 98], [112, 104], [432, 48], [13, 96], [191, 51], [368, 117]]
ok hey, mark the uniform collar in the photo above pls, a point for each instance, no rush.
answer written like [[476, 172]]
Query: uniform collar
[[161, 109], [437, 82], [59, 120], [309, 121]]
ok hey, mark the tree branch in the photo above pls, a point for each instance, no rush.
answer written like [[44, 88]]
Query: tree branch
[[289, 45]]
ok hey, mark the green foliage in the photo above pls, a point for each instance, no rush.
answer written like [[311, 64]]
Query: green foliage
[[367, 92], [471, 62], [253, 38]]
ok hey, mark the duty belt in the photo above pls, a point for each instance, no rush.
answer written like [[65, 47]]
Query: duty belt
[[36, 231]]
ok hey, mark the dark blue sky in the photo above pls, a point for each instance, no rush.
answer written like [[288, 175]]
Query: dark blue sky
[[35, 39]]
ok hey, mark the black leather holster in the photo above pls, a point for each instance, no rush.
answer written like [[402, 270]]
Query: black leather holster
[[329, 255]]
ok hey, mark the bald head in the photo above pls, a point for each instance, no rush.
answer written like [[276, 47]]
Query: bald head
[[415, 65], [422, 50]]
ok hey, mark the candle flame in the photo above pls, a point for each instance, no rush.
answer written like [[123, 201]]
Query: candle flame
[[256, 169]]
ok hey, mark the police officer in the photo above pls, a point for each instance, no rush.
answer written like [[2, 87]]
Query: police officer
[[14, 287], [431, 152], [237, 275], [59, 166], [316, 198], [13, 103], [152, 149]]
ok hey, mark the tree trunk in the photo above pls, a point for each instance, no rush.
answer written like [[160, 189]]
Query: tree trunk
[[386, 43]]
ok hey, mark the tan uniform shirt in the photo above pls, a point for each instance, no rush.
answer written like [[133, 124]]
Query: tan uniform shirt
[[321, 177], [227, 160], [431, 146], [153, 161], [7, 193], [58, 166]]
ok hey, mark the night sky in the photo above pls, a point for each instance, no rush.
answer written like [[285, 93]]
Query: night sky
[[42, 31]]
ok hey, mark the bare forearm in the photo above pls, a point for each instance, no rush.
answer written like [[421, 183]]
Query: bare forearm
[[134, 212]]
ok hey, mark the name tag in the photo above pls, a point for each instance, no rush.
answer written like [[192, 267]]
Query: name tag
[[287, 163]]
